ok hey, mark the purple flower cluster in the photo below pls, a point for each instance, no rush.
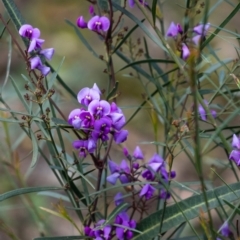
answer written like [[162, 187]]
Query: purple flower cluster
[[97, 119], [235, 154], [175, 30], [121, 228], [123, 171], [155, 170], [203, 113], [35, 44], [96, 23]]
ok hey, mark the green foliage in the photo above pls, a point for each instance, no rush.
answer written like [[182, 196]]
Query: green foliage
[[173, 90], [185, 210]]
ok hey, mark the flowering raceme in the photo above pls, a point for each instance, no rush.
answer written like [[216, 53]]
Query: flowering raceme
[[35, 44], [97, 119], [175, 30], [155, 170], [121, 227], [96, 23]]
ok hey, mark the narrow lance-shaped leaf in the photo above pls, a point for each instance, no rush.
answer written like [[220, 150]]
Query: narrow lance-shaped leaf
[[19, 94], [186, 209], [14, 13], [147, 61], [21, 191], [214, 34], [35, 149]]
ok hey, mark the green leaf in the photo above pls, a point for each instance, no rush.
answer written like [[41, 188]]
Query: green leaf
[[60, 80], [14, 13], [53, 78], [35, 149], [103, 4], [21, 191], [19, 94], [59, 121], [154, 8], [186, 209], [10, 120], [113, 92], [147, 61], [135, 67], [119, 2], [227, 19]]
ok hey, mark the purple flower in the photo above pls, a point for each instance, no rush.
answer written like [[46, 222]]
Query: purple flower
[[174, 30], [47, 53], [203, 113], [164, 194], [196, 39], [235, 154], [86, 95], [102, 231], [84, 146], [185, 51], [36, 63], [96, 88], [225, 231], [147, 191], [33, 35], [88, 232], [148, 175], [156, 162], [81, 22], [132, 3], [135, 165], [101, 129], [91, 10], [121, 171], [97, 24], [74, 118], [118, 120], [35, 44], [125, 152], [156, 165], [99, 108], [201, 29], [29, 32], [117, 116], [236, 142], [122, 232], [137, 154], [87, 120], [121, 136], [118, 199]]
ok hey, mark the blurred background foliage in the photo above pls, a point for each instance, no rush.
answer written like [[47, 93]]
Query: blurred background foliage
[[81, 69]]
